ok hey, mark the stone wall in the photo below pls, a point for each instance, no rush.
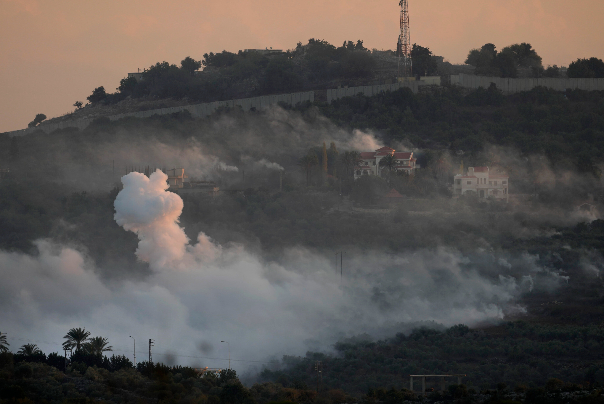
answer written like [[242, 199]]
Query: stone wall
[[197, 110], [510, 86]]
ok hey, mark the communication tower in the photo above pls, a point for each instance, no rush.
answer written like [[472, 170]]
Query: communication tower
[[404, 42]]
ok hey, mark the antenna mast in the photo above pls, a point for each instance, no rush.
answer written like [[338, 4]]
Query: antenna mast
[[404, 41]]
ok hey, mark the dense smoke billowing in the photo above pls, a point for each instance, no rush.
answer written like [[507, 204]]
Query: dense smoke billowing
[[203, 293]]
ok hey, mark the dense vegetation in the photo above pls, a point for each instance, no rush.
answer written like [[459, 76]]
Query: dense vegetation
[[534, 132], [516, 353]]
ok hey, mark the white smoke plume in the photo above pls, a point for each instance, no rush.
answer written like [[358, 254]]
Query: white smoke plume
[[200, 293], [268, 164], [144, 207]]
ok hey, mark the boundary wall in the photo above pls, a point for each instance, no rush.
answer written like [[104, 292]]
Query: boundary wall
[[511, 86], [197, 110], [337, 93]]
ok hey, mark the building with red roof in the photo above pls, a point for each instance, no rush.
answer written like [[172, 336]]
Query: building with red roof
[[483, 183], [369, 163]]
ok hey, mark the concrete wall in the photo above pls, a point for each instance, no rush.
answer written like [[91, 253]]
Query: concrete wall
[[337, 93], [197, 110], [510, 86]]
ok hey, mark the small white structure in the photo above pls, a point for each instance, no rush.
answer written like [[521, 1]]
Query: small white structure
[[369, 163], [483, 183]]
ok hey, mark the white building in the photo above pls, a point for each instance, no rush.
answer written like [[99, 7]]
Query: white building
[[483, 183], [369, 163]]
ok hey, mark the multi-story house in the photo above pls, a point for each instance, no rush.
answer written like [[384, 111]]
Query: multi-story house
[[483, 183], [369, 163]]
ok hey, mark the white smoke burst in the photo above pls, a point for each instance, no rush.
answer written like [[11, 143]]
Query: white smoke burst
[[205, 292]]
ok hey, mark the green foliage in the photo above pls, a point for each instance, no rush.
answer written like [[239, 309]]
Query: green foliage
[[75, 338], [98, 95], [3, 344], [279, 76], [423, 63], [190, 65], [586, 68], [489, 62], [127, 86], [37, 120]]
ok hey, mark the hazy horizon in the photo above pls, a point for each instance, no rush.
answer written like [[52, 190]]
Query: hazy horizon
[[56, 53]]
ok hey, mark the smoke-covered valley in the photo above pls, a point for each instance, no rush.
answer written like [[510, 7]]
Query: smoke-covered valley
[[84, 244]]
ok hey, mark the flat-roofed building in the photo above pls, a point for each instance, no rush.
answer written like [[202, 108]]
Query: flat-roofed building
[[483, 183]]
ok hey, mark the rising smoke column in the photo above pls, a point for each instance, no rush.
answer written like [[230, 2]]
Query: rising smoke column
[[145, 207]]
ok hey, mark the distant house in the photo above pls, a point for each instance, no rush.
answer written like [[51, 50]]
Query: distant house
[[369, 163], [483, 183], [138, 76], [176, 178]]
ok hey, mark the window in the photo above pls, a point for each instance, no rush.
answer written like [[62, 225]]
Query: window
[[504, 182], [505, 190], [495, 183], [490, 182], [458, 182], [469, 182], [373, 162], [358, 172]]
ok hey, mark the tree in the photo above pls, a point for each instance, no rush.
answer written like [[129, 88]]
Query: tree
[[389, 163], [127, 85], [78, 105], [75, 338], [324, 159], [350, 159], [423, 64], [483, 57], [332, 158], [308, 162], [190, 65], [3, 343], [586, 68], [37, 120], [97, 345], [280, 76], [523, 55], [97, 95], [29, 350]]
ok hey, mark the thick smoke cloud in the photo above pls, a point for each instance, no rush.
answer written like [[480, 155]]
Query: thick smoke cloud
[[202, 293]]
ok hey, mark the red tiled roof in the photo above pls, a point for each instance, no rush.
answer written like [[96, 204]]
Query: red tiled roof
[[367, 155], [393, 194], [403, 155], [381, 149], [481, 169], [497, 176]]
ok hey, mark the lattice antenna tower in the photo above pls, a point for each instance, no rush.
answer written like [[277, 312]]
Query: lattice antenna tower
[[404, 42]]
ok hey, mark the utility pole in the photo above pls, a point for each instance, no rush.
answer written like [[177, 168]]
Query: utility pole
[[134, 350], [341, 265], [318, 369], [150, 345], [229, 346]]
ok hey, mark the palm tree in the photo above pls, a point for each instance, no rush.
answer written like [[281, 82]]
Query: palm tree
[[29, 350], [389, 162], [3, 343], [75, 338], [97, 345]]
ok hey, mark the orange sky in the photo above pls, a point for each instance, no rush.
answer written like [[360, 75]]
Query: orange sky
[[55, 52]]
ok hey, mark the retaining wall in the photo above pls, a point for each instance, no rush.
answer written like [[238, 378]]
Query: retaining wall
[[337, 93], [197, 110], [510, 86]]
